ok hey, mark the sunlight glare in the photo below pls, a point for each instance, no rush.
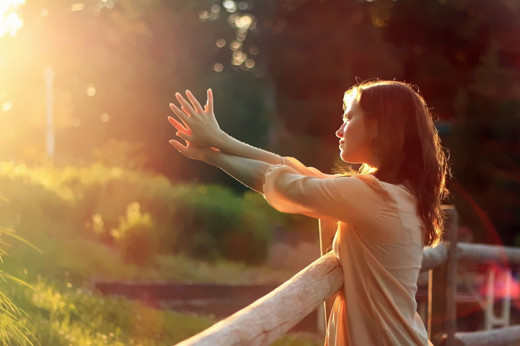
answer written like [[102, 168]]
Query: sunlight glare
[[6, 106], [10, 22]]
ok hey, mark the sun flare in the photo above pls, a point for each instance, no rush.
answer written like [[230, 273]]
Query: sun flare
[[10, 21]]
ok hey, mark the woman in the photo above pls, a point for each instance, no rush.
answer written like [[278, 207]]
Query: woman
[[385, 213]]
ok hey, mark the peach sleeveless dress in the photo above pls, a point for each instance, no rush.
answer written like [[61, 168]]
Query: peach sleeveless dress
[[378, 243]]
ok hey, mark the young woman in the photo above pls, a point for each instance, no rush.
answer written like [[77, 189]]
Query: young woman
[[385, 213]]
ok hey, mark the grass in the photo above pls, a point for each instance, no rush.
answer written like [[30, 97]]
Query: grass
[[81, 260], [60, 310], [62, 314], [47, 208]]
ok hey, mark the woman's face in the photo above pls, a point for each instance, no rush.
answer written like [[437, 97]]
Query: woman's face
[[355, 137]]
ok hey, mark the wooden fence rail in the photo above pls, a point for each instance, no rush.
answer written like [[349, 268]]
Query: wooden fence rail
[[506, 336], [480, 253], [274, 314], [271, 316]]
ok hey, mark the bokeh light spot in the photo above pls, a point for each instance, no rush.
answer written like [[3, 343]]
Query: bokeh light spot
[[218, 67], [91, 90], [244, 22], [378, 22], [204, 15], [78, 6], [230, 6], [215, 9], [235, 45], [105, 117], [250, 63], [238, 57], [221, 43]]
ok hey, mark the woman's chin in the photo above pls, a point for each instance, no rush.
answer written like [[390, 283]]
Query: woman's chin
[[348, 159]]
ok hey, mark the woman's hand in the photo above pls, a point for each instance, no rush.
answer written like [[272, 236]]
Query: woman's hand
[[192, 151], [199, 127]]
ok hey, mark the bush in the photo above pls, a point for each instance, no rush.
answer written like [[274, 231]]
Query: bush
[[207, 221], [134, 236]]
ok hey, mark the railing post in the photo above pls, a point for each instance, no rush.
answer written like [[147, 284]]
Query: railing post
[[443, 320]]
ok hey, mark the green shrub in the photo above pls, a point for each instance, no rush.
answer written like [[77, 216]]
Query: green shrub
[[205, 221], [134, 236]]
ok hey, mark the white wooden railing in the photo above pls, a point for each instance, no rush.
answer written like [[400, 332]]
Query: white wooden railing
[[273, 315]]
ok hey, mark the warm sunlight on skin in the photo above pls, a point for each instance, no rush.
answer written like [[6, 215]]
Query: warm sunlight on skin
[[10, 22]]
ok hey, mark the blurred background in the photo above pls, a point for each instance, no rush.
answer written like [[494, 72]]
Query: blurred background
[[91, 191]]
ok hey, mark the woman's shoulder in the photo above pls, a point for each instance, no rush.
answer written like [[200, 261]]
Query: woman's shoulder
[[302, 169], [376, 185], [390, 193]]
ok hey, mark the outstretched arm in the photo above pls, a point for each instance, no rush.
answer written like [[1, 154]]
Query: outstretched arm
[[233, 146], [200, 127], [248, 172]]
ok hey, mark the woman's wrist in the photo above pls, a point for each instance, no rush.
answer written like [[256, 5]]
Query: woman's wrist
[[232, 146], [223, 141], [211, 157]]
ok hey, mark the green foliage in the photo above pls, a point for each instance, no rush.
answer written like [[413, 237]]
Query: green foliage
[[12, 329], [67, 211], [59, 310], [139, 214], [134, 236], [61, 314], [215, 222]]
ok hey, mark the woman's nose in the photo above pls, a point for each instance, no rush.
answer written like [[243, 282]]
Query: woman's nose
[[339, 132]]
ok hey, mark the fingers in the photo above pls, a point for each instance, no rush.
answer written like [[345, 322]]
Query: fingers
[[183, 135], [209, 103], [178, 145], [194, 101], [184, 104], [179, 126], [183, 116]]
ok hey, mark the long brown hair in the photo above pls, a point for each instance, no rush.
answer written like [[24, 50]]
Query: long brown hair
[[407, 145]]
